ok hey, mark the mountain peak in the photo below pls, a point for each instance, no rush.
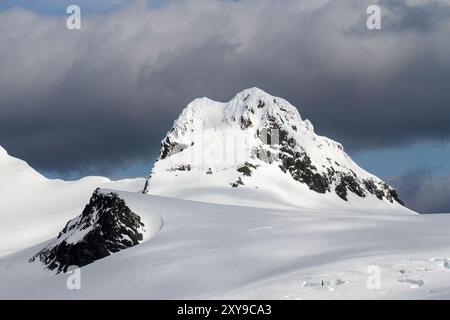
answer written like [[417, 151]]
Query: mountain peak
[[254, 92], [264, 100], [250, 109], [254, 136], [255, 100]]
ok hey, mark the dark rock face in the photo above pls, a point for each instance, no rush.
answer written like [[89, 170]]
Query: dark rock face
[[238, 183], [245, 123], [300, 167], [169, 148], [261, 104], [350, 183], [372, 188], [166, 148], [298, 164], [246, 169], [182, 167], [146, 186], [393, 196], [106, 226]]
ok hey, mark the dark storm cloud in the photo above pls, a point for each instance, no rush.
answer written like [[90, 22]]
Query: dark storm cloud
[[106, 95], [420, 16], [424, 192]]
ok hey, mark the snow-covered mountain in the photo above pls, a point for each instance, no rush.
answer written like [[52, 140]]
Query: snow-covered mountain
[[258, 144], [34, 209]]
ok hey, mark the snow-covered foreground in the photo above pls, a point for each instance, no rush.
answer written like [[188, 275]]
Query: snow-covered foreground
[[205, 250]]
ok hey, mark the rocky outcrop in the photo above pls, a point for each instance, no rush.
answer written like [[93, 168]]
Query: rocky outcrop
[[106, 225], [246, 169]]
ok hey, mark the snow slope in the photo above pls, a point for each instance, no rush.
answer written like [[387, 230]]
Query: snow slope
[[221, 251], [34, 208], [257, 150]]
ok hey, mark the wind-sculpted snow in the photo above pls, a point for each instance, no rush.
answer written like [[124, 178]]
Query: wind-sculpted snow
[[254, 133], [106, 226]]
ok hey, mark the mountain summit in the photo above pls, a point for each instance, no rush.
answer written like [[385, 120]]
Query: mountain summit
[[259, 144]]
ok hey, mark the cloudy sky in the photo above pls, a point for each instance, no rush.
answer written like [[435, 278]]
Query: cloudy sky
[[98, 100]]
